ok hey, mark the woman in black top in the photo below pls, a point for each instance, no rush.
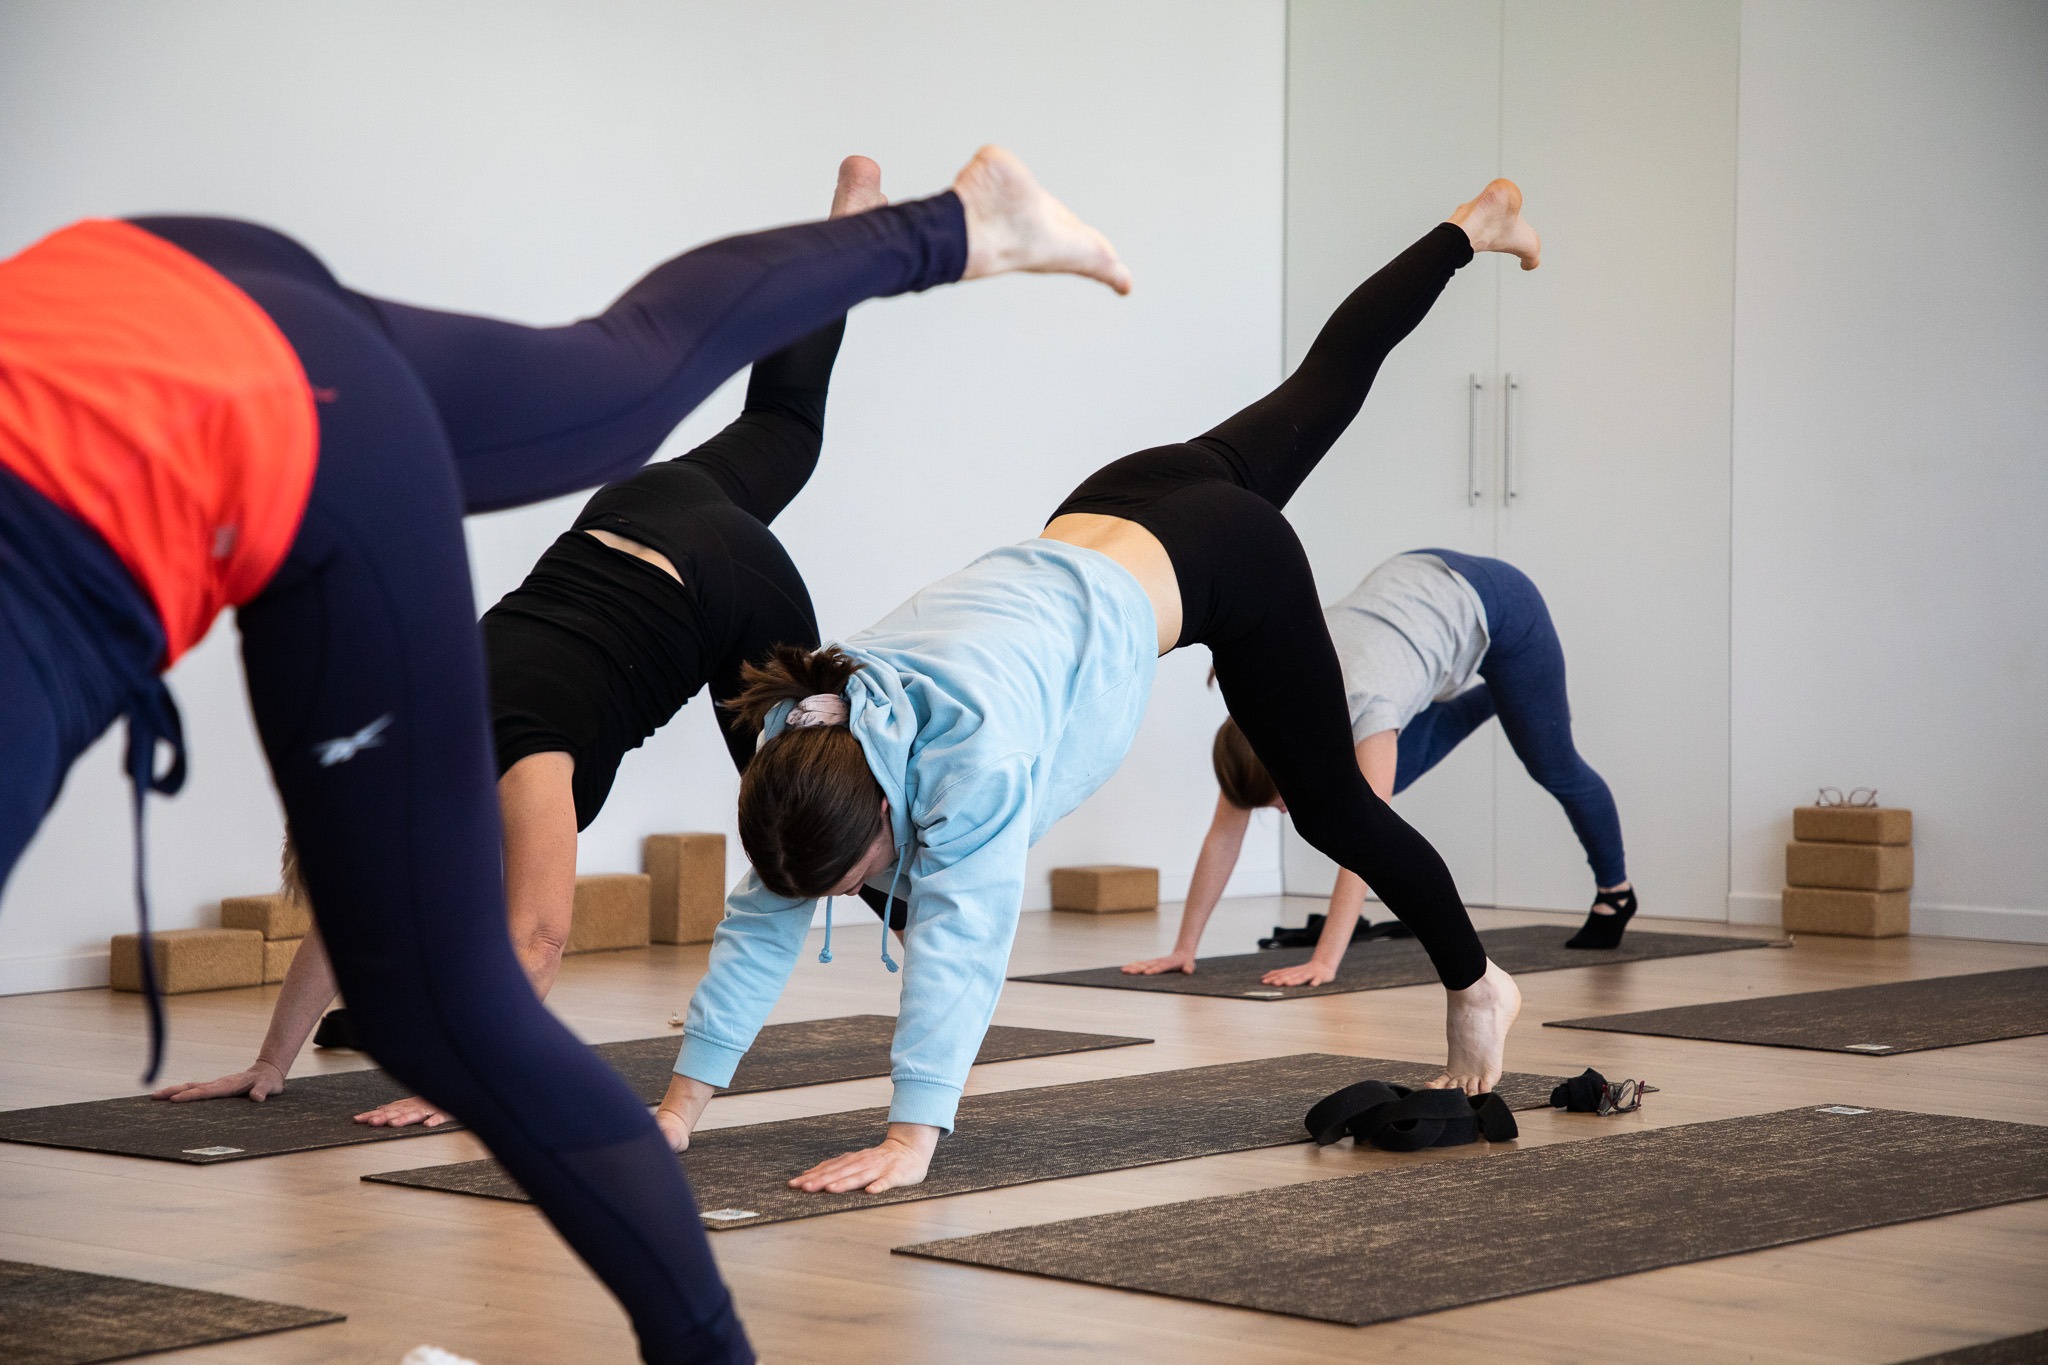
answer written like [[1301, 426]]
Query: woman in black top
[[665, 585]]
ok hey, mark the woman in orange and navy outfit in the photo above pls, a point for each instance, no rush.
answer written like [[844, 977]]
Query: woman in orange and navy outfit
[[195, 415]]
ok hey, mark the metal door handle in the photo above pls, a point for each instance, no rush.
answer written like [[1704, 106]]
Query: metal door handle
[[1509, 491], [1473, 492]]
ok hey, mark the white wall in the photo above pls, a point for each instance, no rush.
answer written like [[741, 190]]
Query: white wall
[[1890, 509], [530, 159]]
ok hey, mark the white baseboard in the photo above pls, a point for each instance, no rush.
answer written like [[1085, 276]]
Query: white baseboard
[[1748, 907], [1997, 924], [56, 972], [2001, 924]]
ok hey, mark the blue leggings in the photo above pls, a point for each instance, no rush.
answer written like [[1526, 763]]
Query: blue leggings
[[366, 676], [1523, 680]]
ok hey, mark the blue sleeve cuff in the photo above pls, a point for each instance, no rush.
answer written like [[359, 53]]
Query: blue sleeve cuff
[[928, 1102], [706, 1061]]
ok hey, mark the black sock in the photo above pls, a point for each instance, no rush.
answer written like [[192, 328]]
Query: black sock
[[1604, 931], [336, 1030]]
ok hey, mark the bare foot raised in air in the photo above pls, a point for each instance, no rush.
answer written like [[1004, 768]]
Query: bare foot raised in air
[[1494, 222], [1476, 1024], [859, 188], [1013, 224]]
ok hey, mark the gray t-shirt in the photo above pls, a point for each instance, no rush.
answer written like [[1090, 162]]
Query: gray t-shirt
[[1412, 633]]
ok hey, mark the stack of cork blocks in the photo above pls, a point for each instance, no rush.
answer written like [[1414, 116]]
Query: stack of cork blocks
[[254, 945], [679, 897], [611, 912], [282, 921], [686, 885], [1849, 870]]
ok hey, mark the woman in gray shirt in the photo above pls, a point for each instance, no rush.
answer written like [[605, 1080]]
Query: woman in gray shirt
[[1433, 643]]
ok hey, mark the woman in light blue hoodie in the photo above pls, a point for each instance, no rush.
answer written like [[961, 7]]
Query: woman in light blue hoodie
[[935, 748]]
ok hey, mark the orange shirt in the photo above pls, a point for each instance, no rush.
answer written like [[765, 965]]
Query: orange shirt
[[150, 398]]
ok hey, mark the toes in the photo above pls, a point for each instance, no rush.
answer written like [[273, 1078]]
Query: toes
[[859, 187]]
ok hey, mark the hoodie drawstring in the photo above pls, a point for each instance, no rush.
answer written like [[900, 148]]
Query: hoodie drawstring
[[825, 953], [152, 719], [890, 904]]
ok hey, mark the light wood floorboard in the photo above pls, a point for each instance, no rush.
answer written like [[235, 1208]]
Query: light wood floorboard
[[490, 1280]]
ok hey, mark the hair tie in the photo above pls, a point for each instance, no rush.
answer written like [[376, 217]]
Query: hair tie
[[820, 708]]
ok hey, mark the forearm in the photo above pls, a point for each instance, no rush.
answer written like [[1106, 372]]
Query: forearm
[[1347, 902], [1213, 866], [307, 991], [537, 802], [685, 1099], [753, 951]]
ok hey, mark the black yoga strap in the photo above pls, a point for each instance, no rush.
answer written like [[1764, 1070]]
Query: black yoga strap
[[1397, 1119]]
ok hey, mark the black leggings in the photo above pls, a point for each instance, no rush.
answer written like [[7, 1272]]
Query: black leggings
[[596, 650], [367, 680], [1248, 593]]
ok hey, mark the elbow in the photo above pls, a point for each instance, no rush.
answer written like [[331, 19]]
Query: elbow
[[544, 944]]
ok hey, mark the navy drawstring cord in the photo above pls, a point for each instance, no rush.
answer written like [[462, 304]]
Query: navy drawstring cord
[[152, 719]]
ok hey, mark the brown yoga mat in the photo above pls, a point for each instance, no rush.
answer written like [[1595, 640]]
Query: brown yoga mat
[[313, 1112], [1381, 963], [741, 1175], [1418, 1239], [1899, 1016], [2028, 1349], [68, 1317]]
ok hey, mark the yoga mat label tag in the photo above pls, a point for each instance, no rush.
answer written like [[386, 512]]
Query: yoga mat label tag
[[727, 1215], [211, 1151], [1869, 1047], [1840, 1109], [1266, 995]]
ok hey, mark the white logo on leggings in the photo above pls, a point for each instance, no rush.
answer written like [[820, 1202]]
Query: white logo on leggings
[[333, 751]]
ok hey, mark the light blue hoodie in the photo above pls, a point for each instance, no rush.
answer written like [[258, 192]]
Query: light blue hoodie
[[990, 705]]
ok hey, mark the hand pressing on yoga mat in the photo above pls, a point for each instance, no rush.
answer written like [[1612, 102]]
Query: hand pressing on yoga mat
[[680, 1108], [1338, 924], [903, 1158], [1175, 961], [404, 1114], [1220, 848], [308, 989], [259, 1082], [1314, 972]]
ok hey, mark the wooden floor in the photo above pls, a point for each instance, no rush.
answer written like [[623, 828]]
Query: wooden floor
[[490, 1280]]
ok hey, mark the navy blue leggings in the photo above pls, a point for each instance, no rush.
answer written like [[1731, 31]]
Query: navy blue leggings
[[1523, 679], [366, 677]]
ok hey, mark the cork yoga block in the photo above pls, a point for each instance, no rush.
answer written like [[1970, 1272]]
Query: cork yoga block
[[1105, 888], [1853, 824], [272, 916], [277, 958], [1849, 867], [611, 912], [686, 873], [1856, 914], [189, 960]]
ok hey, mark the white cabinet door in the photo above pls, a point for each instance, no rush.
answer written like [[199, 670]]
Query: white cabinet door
[[1392, 121], [1618, 120]]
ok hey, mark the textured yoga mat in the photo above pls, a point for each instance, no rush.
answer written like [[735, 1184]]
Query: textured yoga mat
[[2028, 1349], [1418, 1239], [741, 1175], [68, 1317], [314, 1112], [1899, 1016], [1381, 963]]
